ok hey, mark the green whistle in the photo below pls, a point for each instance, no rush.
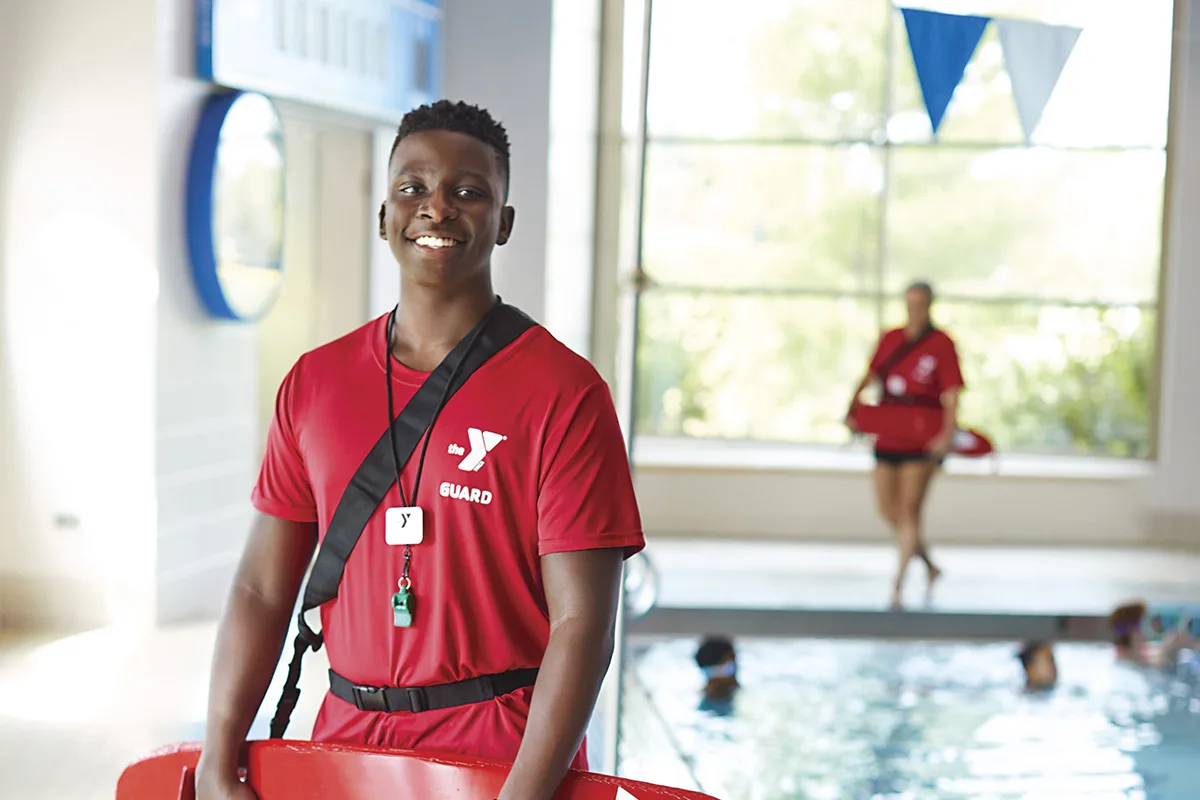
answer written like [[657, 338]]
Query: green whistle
[[402, 602]]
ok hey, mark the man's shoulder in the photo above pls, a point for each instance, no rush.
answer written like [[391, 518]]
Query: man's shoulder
[[335, 356], [941, 338], [543, 362]]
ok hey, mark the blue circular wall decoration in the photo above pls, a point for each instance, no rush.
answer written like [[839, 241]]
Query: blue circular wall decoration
[[235, 205]]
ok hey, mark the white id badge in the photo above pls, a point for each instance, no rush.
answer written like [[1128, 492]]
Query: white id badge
[[404, 525]]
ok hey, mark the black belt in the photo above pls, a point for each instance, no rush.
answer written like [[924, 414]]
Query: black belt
[[904, 400], [430, 698]]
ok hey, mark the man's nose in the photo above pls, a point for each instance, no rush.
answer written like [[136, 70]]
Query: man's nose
[[438, 206]]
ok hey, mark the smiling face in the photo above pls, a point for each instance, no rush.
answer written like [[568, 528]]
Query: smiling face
[[445, 208]]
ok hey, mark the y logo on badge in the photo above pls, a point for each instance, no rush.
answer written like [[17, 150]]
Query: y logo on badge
[[482, 443]]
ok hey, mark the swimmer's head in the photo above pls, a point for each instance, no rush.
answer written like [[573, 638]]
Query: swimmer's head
[[718, 661], [1041, 670], [1125, 625], [918, 298], [714, 653]]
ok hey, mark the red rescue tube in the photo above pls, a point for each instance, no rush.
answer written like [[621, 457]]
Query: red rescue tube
[[287, 769], [918, 424]]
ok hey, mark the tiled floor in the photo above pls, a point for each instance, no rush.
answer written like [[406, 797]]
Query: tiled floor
[[858, 577], [74, 710]]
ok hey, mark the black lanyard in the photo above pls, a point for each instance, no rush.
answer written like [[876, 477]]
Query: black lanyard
[[901, 353], [387, 354]]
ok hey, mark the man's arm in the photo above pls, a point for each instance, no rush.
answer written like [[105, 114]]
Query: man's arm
[[941, 443], [866, 381], [872, 376], [582, 590], [249, 640]]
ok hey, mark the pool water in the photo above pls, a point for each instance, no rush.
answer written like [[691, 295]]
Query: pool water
[[826, 720]]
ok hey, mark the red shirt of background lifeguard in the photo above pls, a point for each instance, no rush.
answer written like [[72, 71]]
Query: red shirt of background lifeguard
[[921, 377]]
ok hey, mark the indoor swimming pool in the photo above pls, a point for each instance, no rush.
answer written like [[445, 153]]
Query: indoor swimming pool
[[826, 720]]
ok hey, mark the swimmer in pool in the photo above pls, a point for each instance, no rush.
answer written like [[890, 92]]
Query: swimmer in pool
[[1125, 628], [1041, 670], [718, 661], [1128, 637]]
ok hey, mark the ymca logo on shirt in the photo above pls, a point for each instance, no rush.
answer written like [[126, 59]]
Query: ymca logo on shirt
[[482, 442], [926, 364]]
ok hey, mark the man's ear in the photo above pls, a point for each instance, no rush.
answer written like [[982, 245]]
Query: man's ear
[[382, 227], [507, 215]]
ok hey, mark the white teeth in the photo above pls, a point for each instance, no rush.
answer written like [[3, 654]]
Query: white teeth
[[434, 242]]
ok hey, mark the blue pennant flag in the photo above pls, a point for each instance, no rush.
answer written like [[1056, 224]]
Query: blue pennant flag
[[941, 45]]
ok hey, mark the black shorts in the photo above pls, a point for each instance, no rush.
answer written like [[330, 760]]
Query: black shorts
[[896, 459]]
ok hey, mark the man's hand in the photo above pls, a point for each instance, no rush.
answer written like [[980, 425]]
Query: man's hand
[[866, 381], [940, 445], [211, 785]]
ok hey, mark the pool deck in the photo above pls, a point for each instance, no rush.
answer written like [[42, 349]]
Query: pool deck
[[147, 687], [785, 589]]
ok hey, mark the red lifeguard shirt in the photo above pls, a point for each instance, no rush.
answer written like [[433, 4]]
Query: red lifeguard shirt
[[924, 373], [526, 459]]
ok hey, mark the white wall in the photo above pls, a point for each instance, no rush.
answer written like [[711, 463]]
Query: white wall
[[217, 380], [497, 55], [207, 431], [78, 269], [8, 472], [829, 497], [328, 228], [7, 432], [129, 431]]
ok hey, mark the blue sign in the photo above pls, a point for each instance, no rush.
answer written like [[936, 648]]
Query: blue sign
[[235, 205], [374, 58]]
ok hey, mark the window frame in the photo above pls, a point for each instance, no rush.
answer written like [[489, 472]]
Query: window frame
[[637, 138]]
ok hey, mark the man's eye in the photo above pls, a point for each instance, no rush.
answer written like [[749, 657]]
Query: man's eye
[[408, 189]]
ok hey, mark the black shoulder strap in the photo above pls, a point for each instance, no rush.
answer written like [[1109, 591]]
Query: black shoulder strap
[[902, 352], [376, 475]]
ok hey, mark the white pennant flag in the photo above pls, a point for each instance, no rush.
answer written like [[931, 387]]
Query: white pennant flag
[[1035, 55]]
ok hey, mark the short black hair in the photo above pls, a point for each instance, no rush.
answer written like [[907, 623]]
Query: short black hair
[[459, 117], [921, 286], [713, 651]]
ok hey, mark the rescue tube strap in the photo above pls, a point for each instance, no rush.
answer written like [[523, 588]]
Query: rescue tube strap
[[415, 699], [377, 474], [901, 353]]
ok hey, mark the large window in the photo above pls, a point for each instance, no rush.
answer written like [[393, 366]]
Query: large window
[[793, 188]]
